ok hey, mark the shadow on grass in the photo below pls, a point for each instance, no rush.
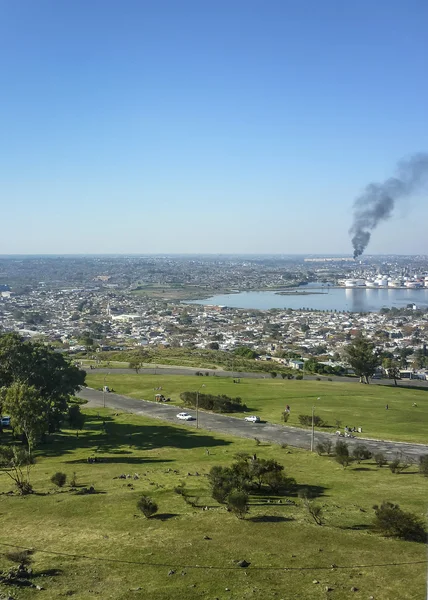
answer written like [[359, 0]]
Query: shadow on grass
[[47, 573], [363, 469], [403, 386], [312, 491], [164, 516], [359, 527], [270, 519], [114, 460], [105, 435]]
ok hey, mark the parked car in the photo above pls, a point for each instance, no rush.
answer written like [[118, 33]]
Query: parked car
[[253, 419], [5, 421], [185, 416]]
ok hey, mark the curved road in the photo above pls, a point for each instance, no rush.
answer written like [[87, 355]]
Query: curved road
[[279, 434]]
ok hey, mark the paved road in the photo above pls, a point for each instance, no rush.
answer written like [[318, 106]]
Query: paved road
[[167, 370], [279, 434]]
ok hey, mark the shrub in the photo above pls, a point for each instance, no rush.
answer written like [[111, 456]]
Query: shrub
[[237, 503], [21, 557], [147, 506], [380, 459], [59, 479], [390, 520], [324, 447], [273, 374], [342, 454], [361, 452], [306, 421], [314, 510], [220, 403], [299, 376], [423, 465], [398, 465]]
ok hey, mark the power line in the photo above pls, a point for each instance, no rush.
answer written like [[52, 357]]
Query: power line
[[214, 567]]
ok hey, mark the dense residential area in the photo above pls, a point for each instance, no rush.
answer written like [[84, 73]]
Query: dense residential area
[[108, 304]]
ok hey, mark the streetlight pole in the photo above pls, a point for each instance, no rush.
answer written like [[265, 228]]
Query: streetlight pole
[[313, 428], [197, 406], [104, 391]]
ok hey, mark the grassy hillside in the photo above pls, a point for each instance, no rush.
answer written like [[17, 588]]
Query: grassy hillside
[[351, 403], [287, 552], [200, 358]]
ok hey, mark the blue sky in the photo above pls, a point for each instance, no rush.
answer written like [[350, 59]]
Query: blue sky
[[207, 126]]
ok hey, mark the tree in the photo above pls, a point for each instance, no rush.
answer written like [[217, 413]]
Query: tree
[[237, 503], [314, 510], [59, 479], [16, 462], [136, 365], [392, 369], [361, 452], [27, 410], [342, 454], [76, 418], [245, 352], [147, 506], [391, 521], [38, 366], [361, 356]]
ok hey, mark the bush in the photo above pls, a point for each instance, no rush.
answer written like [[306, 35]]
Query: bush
[[380, 459], [398, 465], [423, 465], [273, 374], [324, 447], [147, 506], [299, 376], [59, 479], [361, 452], [221, 403], [390, 520], [342, 454], [237, 503], [306, 421]]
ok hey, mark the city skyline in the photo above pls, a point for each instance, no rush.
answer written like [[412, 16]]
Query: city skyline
[[195, 129]]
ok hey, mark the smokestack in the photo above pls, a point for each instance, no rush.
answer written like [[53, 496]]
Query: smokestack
[[376, 203]]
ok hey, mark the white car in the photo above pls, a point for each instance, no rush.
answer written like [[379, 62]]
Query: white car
[[184, 416], [253, 419]]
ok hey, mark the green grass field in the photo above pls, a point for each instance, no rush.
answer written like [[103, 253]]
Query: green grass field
[[351, 403], [287, 552]]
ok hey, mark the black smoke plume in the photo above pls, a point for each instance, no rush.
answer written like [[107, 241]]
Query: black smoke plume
[[377, 202]]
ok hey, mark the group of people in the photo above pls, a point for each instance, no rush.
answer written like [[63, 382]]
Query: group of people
[[349, 431]]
